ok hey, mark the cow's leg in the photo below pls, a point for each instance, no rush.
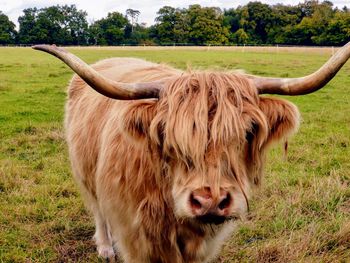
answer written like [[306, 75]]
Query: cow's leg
[[102, 236]]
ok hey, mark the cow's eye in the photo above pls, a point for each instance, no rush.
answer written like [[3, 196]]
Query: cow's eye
[[167, 159], [251, 134]]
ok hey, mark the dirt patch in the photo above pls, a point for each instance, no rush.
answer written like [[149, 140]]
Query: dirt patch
[[270, 254]]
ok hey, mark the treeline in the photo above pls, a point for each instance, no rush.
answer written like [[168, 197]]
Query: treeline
[[308, 23]]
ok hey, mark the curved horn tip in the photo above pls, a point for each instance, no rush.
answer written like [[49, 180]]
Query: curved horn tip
[[42, 46], [47, 48]]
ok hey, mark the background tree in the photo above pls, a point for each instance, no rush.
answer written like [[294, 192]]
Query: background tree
[[260, 20], [312, 22], [140, 36], [338, 29], [55, 24], [284, 19], [312, 29], [75, 25], [182, 27], [29, 32], [134, 15], [166, 19], [206, 25], [321, 18], [195, 25], [7, 30], [240, 37], [232, 22], [109, 30]]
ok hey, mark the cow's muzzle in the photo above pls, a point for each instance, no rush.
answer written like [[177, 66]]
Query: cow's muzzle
[[209, 209]]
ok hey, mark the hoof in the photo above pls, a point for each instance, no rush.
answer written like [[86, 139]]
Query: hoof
[[107, 253]]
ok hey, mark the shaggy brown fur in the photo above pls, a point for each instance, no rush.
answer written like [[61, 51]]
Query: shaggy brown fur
[[137, 161]]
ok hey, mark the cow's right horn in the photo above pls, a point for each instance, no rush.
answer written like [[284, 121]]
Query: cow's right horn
[[107, 87]]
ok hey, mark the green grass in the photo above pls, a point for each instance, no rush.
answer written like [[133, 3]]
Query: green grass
[[300, 214]]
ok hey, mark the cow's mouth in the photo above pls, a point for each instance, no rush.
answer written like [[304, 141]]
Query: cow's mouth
[[213, 219]]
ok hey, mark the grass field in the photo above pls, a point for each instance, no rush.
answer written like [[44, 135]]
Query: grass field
[[300, 214]]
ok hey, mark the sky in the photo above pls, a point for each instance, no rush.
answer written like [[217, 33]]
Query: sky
[[148, 8]]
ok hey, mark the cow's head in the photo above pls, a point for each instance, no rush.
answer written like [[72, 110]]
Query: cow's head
[[210, 129], [213, 129]]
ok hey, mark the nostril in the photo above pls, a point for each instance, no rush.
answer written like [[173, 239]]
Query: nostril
[[226, 202], [195, 203]]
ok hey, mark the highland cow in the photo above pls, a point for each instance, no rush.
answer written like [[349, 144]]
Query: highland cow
[[166, 159]]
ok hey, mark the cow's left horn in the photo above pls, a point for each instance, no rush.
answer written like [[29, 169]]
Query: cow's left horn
[[307, 84], [107, 87]]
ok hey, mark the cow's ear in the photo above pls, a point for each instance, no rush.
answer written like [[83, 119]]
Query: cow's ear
[[277, 120], [282, 117], [137, 118]]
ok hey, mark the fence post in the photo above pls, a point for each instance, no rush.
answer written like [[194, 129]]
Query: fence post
[[208, 47]]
